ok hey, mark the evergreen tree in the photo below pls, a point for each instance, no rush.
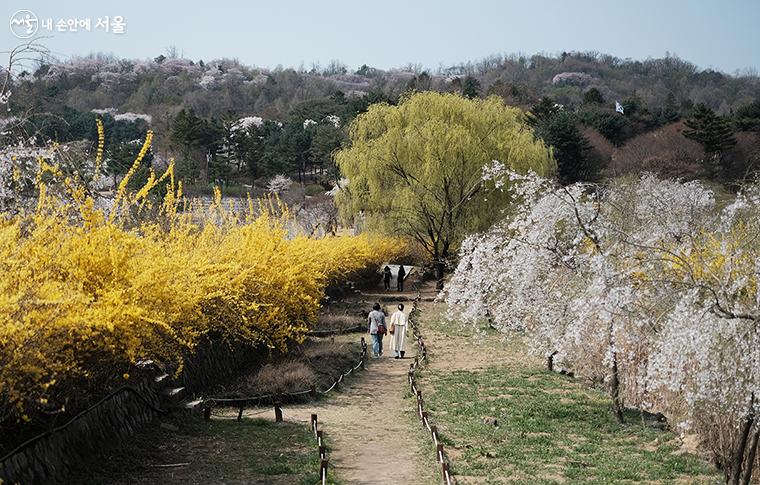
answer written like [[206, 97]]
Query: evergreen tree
[[119, 159], [669, 113], [198, 142], [633, 105], [470, 87], [571, 148], [326, 140], [711, 131], [421, 82], [593, 96], [748, 116], [613, 126], [543, 111], [559, 129]]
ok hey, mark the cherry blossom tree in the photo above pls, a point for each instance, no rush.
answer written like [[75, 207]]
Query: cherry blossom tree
[[647, 285]]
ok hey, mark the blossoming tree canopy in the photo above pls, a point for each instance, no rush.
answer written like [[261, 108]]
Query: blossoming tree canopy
[[647, 285], [416, 169]]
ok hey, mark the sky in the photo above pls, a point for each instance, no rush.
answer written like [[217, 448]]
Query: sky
[[385, 34]]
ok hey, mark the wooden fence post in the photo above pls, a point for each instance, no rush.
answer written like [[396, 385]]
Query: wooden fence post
[[240, 413], [313, 423], [207, 413], [277, 412], [323, 471], [313, 391]]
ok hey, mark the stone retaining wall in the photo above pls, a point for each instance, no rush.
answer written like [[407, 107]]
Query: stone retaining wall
[[61, 452]]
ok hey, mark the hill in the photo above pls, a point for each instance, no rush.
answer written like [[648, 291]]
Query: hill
[[232, 123]]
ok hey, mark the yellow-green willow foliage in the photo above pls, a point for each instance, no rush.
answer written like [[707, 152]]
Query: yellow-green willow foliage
[[85, 294], [417, 168]]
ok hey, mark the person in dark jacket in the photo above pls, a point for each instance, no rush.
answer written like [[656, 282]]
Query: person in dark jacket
[[387, 278], [401, 276]]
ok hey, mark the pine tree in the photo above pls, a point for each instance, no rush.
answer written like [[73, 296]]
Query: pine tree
[[593, 96], [470, 87], [543, 111], [711, 131], [558, 128], [571, 148], [748, 116], [669, 112]]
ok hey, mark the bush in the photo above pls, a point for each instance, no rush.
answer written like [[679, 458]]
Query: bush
[[85, 294], [314, 189], [292, 376], [664, 151], [601, 149]]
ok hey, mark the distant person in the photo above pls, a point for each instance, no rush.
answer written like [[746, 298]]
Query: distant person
[[376, 320], [398, 331], [401, 275], [387, 278]]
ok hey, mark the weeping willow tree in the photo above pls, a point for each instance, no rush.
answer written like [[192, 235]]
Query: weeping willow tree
[[416, 169]]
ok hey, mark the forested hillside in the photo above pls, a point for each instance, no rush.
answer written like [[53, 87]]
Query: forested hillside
[[232, 124]]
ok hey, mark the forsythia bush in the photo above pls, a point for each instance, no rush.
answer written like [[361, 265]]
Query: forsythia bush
[[87, 292]]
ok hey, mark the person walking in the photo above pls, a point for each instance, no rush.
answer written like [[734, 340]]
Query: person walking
[[387, 278], [401, 275], [398, 331], [376, 320]]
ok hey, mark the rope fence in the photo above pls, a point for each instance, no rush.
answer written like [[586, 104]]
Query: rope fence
[[277, 399], [242, 403], [440, 455]]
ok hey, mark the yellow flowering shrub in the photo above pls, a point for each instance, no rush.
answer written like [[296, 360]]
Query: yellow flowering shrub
[[718, 258], [85, 294]]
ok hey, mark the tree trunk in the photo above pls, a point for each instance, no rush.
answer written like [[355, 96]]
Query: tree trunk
[[550, 361], [737, 459], [439, 266], [617, 405], [751, 455]]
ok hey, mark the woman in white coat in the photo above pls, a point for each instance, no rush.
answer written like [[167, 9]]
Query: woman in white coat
[[398, 324]]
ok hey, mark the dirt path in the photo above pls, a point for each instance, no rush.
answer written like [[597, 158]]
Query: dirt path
[[367, 423]]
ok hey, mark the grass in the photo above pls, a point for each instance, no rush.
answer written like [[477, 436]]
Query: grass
[[252, 451], [319, 361], [517, 423]]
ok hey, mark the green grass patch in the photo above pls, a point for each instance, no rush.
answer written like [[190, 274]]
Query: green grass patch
[[215, 452], [517, 423]]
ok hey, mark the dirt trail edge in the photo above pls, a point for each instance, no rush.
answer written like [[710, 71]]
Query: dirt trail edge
[[367, 423]]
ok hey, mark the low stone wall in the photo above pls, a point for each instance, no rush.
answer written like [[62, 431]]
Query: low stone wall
[[53, 456], [57, 454]]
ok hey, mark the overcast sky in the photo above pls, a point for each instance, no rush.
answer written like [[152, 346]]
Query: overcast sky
[[719, 34]]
